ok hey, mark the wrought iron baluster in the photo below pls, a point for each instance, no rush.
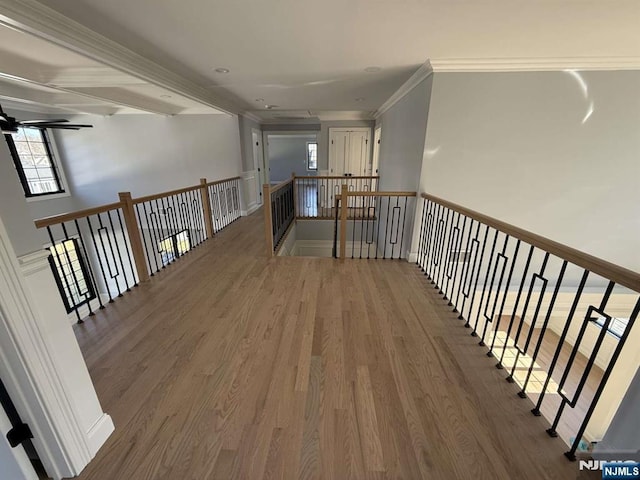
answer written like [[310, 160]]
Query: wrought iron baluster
[[89, 267], [104, 274], [63, 276]]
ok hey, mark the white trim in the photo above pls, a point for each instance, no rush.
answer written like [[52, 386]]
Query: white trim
[[99, 433], [34, 262], [413, 257], [30, 370], [423, 72], [246, 213], [252, 117], [534, 64], [30, 16]]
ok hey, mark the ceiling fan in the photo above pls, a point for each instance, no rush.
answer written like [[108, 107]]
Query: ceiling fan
[[10, 124]]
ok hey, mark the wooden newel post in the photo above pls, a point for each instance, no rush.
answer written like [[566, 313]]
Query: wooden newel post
[[206, 207], [268, 226], [133, 232], [295, 195], [344, 203]]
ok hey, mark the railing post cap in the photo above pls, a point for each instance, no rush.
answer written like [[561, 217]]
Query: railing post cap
[[203, 181], [124, 195]]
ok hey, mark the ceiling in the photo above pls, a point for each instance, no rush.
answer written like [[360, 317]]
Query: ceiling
[[310, 58]]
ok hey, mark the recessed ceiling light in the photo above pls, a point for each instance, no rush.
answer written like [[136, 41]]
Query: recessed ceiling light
[[165, 96], [269, 107], [360, 99], [372, 69], [259, 99], [222, 70]]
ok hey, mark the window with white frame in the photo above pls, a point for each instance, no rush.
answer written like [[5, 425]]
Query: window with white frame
[[33, 158], [312, 156]]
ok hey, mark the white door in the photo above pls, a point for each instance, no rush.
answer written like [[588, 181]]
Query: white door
[[376, 152], [258, 163], [338, 151], [14, 463], [357, 162]]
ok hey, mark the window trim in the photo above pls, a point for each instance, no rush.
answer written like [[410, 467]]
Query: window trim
[[52, 153], [599, 321], [307, 159]]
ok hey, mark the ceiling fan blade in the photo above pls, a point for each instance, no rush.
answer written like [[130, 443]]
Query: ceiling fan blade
[[35, 122], [43, 126]]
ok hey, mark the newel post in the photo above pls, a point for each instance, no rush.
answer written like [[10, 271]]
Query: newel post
[[295, 195], [133, 232], [206, 207], [344, 203], [268, 221]]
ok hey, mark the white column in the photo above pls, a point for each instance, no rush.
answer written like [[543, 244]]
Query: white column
[[42, 366]]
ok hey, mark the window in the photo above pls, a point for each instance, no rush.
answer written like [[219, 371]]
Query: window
[[31, 152], [174, 246], [312, 156], [617, 326], [70, 272]]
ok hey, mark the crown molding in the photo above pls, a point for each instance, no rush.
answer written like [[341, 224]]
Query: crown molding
[[32, 17], [252, 117], [534, 64], [423, 72]]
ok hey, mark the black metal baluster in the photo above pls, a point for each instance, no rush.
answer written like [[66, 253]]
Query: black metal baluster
[[504, 297], [543, 330], [468, 277], [464, 273], [515, 306], [152, 220], [95, 246], [574, 305], [144, 239], [162, 232], [442, 254], [378, 201], [126, 246], [477, 275], [430, 239], [113, 275], [437, 228], [115, 240], [404, 218], [574, 352], [457, 263], [63, 276], [453, 234], [535, 276], [484, 286], [186, 213], [422, 227], [89, 267], [489, 317], [571, 454]]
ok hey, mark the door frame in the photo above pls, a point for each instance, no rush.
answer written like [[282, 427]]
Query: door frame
[[375, 156]]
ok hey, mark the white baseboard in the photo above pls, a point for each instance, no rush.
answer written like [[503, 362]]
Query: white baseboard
[[250, 209], [413, 257], [99, 433]]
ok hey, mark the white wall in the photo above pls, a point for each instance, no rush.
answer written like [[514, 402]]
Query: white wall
[[288, 154], [404, 127], [524, 148], [402, 141]]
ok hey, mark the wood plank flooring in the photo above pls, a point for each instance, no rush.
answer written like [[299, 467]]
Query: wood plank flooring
[[231, 365]]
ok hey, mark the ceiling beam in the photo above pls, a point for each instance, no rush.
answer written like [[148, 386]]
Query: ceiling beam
[[32, 17]]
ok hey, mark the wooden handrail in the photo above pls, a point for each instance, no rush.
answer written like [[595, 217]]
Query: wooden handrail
[[611, 271], [336, 177], [217, 182], [280, 185], [156, 196], [381, 194], [67, 217]]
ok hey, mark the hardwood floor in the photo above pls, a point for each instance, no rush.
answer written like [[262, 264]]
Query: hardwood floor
[[231, 365]]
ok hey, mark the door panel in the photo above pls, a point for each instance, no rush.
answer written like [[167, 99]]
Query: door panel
[[338, 151], [358, 160]]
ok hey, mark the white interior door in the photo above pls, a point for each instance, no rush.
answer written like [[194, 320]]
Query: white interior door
[[338, 151], [357, 162], [376, 152], [258, 162]]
